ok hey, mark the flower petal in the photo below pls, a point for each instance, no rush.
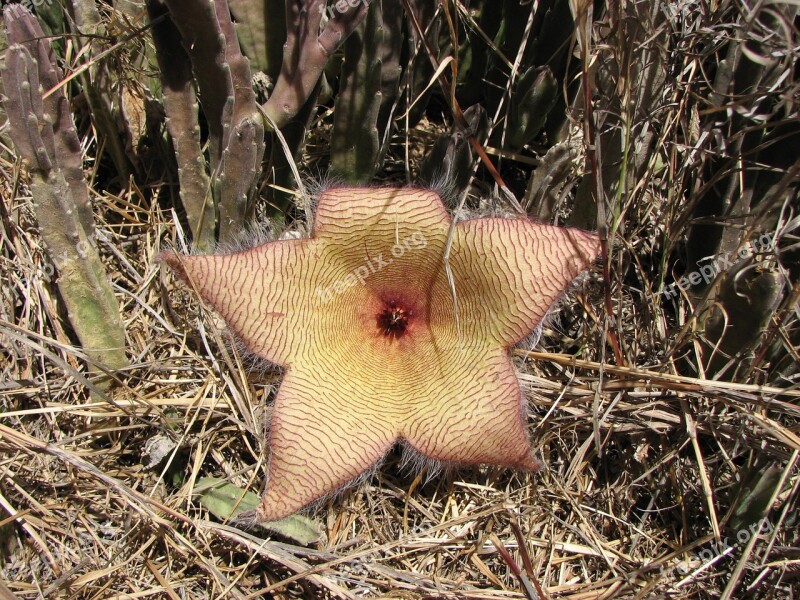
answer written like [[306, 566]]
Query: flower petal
[[508, 272], [362, 315], [355, 224], [322, 435], [262, 293], [477, 417]]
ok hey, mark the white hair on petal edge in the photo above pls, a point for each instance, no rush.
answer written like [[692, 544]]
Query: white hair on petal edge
[[493, 206], [445, 187], [248, 519], [252, 362], [413, 461], [253, 235], [530, 341], [552, 318], [309, 192], [337, 493], [244, 520], [313, 187]]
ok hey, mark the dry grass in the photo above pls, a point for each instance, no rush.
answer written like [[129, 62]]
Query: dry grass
[[645, 467]]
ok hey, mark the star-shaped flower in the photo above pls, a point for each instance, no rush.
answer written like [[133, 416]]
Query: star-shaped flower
[[376, 350]]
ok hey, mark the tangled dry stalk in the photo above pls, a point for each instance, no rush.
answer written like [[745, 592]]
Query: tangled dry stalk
[[648, 470]]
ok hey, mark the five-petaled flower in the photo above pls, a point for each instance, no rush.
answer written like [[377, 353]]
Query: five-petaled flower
[[418, 351]]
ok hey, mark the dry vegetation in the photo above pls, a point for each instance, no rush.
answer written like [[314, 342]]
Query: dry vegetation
[[651, 461]]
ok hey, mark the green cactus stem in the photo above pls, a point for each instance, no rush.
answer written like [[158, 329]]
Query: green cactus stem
[[748, 297], [420, 70], [756, 489], [181, 107], [756, 155], [548, 182], [623, 152], [550, 46], [508, 38], [368, 93], [307, 51], [261, 27], [44, 134], [100, 88], [450, 161], [236, 130], [536, 94]]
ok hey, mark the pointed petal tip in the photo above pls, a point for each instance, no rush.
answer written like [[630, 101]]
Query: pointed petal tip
[[181, 264], [531, 463], [266, 513], [174, 261], [586, 242], [584, 248], [166, 256]]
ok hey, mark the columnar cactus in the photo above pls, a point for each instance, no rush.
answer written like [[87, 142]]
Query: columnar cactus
[[748, 298], [747, 187], [307, 51], [368, 93], [420, 69], [535, 95], [99, 87], [236, 131], [180, 105], [44, 134], [449, 163], [623, 151], [261, 27]]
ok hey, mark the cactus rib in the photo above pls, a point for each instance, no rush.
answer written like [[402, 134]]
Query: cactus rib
[[180, 105]]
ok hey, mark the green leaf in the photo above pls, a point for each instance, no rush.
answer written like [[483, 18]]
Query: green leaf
[[535, 95], [757, 489], [226, 501]]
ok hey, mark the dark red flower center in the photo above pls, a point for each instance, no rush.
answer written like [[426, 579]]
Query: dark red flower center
[[393, 320]]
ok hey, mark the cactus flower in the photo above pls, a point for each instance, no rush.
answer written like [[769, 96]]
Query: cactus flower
[[377, 347]]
